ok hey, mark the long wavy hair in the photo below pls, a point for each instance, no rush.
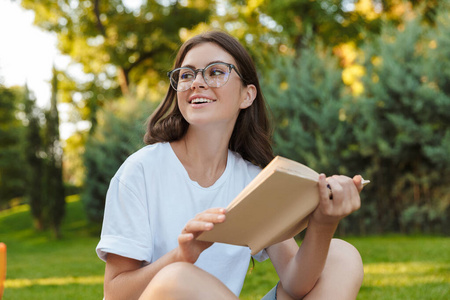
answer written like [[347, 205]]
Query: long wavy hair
[[252, 133]]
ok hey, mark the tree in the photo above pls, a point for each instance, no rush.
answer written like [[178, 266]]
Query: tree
[[118, 46], [402, 124], [306, 97], [12, 181], [54, 198], [309, 104], [34, 154]]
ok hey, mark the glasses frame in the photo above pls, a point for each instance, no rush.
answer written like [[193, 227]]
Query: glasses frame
[[230, 68]]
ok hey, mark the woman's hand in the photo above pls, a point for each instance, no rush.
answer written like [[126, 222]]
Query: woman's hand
[[345, 200], [189, 249]]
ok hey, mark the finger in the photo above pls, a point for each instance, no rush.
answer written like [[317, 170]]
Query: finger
[[216, 210], [210, 217], [195, 226], [185, 237], [357, 179], [350, 193], [324, 191], [336, 188]]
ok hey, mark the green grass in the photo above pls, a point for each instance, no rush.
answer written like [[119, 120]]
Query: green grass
[[40, 267], [395, 267]]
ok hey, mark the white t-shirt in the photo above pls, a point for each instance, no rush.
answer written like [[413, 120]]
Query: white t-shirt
[[151, 198]]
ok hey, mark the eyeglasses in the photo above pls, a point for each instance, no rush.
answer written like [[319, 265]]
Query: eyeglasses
[[215, 75]]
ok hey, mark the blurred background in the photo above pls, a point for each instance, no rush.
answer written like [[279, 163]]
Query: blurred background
[[353, 86]]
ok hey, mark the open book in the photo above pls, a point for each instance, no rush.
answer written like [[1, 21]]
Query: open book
[[274, 207]]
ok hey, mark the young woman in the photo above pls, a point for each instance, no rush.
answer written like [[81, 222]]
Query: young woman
[[208, 139]]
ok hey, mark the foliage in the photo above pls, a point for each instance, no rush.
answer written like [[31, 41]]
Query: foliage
[[34, 153], [73, 158], [119, 46], [306, 96], [395, 133], [402, 124], [390, 125], [53, 187], [12, 183], [309, 103], [118, 135], [332, 21]]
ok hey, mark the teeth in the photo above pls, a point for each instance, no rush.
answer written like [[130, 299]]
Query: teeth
[[201, 100]]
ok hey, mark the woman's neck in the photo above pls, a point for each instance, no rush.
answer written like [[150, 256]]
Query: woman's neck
[[204, 154]]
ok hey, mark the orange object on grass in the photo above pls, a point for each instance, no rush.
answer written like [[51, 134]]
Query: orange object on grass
[[2, 267]]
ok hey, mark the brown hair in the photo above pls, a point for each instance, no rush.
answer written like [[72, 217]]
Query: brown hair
[[251, 136]]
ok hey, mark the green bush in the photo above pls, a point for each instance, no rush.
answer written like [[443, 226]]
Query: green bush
[[396, 133], [402, 124], [118, 134]]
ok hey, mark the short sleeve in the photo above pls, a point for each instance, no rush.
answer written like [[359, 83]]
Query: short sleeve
[[261, 255], [126, 227]]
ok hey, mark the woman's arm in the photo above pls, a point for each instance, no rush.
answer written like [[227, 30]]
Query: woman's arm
[[126, 278], [300, 268]]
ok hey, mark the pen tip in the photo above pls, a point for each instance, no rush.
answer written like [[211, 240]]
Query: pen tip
[[364, 182]]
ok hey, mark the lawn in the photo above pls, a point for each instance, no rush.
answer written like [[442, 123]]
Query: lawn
[[39, 267]]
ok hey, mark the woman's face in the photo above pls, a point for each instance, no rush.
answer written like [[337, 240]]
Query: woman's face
[[217, 106]]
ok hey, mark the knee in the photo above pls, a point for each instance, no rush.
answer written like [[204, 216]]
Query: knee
[[174, 276], [175, 272], [169, 282], [348, 258]]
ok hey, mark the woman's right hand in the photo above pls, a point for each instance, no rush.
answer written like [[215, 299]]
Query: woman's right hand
[[189, 249]]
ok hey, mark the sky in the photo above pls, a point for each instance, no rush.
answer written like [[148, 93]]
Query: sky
[[27, 53]]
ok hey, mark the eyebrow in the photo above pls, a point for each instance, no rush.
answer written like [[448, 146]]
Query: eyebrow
[[210, 63]]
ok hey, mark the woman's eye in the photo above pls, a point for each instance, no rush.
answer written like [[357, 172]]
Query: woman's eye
[[216, 72], [186, 75]]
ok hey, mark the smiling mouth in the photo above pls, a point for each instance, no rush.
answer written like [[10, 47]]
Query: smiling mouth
[[201, 100]]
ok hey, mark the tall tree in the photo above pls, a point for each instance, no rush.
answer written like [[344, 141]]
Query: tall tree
[[34, 151], [308, 101], [306, 97], [12, 181], [402, 123], [54, 187]]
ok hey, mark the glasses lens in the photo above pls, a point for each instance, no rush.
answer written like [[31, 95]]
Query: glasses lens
[[181, 79], [216, 75]]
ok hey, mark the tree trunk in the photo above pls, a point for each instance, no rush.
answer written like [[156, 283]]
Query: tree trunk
[[122, 77]]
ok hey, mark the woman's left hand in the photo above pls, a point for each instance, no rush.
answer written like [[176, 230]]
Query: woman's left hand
[[345, 199]]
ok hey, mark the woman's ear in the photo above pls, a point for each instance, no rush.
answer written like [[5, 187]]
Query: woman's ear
[[250, 93]]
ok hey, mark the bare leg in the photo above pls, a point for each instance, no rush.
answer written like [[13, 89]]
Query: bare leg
[[341, 278], [185, 281]]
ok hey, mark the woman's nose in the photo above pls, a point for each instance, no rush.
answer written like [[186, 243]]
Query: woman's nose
[[199, 81]]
